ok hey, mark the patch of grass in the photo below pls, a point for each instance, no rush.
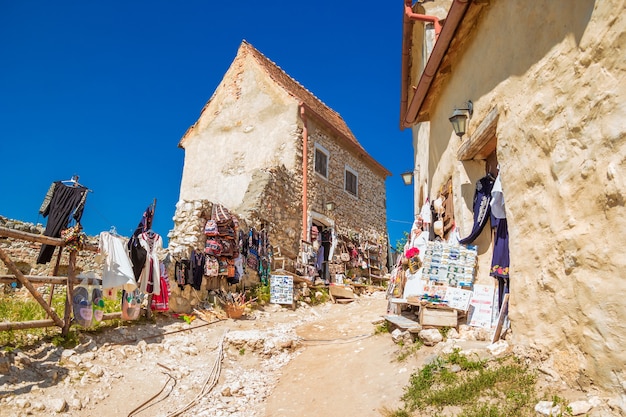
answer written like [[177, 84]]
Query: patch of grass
[[444, 332], [382, 327], [502, 388], [261, 293], [242, 351], [17, 308], [408, 350], [325, 296], [68, 342]]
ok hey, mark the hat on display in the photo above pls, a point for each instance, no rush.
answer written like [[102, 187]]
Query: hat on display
[[438, 228]]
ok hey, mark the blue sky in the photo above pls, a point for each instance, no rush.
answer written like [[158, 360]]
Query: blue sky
[[105, 90]]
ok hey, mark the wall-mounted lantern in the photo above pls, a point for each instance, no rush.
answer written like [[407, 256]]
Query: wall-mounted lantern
[[460, 117], [407, 177]]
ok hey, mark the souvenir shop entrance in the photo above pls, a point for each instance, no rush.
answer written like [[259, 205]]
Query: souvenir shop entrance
[[322, 232]]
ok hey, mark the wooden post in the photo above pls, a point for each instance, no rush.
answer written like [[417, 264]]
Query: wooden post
[[504, 312], [71, 276], [54, 274], [18, 274]]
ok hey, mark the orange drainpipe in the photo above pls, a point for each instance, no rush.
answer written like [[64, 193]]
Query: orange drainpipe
[[408, 10], [407, 34], [305, 166]]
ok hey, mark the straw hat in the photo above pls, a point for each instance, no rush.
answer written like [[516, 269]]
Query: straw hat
[[438, 228]]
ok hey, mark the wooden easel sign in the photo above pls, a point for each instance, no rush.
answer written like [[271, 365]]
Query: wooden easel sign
[[504, 313]]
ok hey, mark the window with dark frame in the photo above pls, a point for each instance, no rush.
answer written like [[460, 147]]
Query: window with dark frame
[[321, 163], [351, 182]]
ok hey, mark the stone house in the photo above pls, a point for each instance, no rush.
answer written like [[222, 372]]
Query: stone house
[[547, 85], [275, 155]]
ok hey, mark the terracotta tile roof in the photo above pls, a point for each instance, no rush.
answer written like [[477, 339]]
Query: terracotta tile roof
[[324, 113]]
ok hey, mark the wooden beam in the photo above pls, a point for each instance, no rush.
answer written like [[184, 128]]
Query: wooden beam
[[483, 141], [32, 237], [20, 325], [35, 279], [25, 282]]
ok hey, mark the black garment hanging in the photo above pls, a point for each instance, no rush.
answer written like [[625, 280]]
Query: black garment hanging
[[66, 203], [137, 253], [196, 264], [482, 208], [182, 273]]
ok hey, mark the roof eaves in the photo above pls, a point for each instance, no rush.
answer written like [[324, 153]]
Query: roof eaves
[[453, 20]]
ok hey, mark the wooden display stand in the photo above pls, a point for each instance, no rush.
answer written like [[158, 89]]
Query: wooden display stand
[[439, 317]]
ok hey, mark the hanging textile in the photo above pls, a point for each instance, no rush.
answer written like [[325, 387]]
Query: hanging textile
[[161, 301], [61, 204], [118, 270], [152, 243], [497, 200], [137, 253], [500, 260], [182, 273], [197, 264], [482, 208]]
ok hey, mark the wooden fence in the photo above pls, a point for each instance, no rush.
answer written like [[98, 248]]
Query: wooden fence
[[28, 280]]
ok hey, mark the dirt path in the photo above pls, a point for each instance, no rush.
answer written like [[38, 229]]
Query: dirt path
[[312, 361], [344, 368]]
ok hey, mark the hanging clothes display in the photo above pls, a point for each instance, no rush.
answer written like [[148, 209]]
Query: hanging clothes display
[[500, 260], [118, 270], [196, 264], [481, 206], [152, 243], [161, 301], [137, 253], [182, 273], [61, 204]]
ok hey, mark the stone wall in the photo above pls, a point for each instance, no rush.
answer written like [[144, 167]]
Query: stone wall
[[362, 217], [561, 146]]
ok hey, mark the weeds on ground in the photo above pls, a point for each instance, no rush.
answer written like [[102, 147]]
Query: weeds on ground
[[409, 350], [477, 388], [325, 296], [261, 293], [382, 327]]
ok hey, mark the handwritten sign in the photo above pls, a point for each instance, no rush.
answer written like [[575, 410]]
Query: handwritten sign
[[482, 306], [458, 298], [281, 289]]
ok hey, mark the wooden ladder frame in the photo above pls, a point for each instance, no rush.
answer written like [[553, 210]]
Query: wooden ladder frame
[[28, 280]]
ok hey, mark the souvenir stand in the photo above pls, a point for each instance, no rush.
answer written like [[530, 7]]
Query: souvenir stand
[[353, 260], [225, 259], [438, 288]]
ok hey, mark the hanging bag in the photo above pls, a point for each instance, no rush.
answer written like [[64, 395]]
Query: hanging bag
[[213, 247], [220, 213], [211, 266], [81, 305], [73, 237], [210, 228], [131, 304]]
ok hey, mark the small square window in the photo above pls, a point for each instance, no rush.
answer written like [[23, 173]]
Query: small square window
[[351, 182], [321, 162]]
